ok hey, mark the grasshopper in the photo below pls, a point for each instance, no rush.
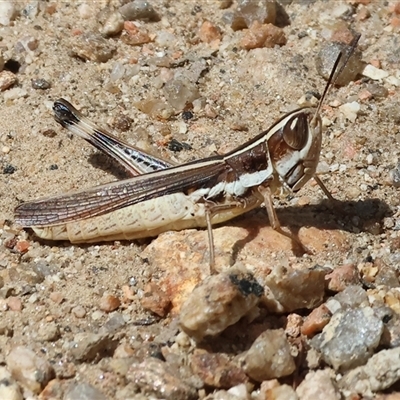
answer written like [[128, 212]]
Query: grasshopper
[[162, 197]]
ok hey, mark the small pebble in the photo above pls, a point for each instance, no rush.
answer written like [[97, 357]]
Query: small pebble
[[353, 296], [278, 392], [92, 47], [31, 371], [223, 4], [9, 389], [113, 24], [343, 35], [48, 332], [296, 289], [117, 71], [350, 338], [134, 35], [392, 80], [250, 11], [394, 175], [380, 372], [266, 35], [180, 92], [209, 32], [327, 56], [7, 79], [56, 297], [343, 276], [269, 357], [54, 390], [218, 302], [319, 385], [293, 325], [362, 13], [83, 391], [97, 315], [364, 95], [115, 323], [165, 38], [156, 108], [155, 378], [85, 11], [377, 90], [139, 10], [79, 311], [123, 351], [8, 12], [22, 246], [49, 133], [41, 84], [14, 93], [217, 370], [14, 303], [121, 122], [241, 391], [109, 303], [350, 110], [316, 321], [89, 346], [155, 300], [26, 44], [374, 73]]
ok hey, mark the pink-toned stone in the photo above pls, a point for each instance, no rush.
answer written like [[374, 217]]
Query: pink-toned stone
[[109, 303], [155, 300], [362, 14], [14, 303], [133, 35], [56, 297], [53, 390], [22, 246], [185, 264], [209, 32], [316, 320], [343, 35], [342, 277], [216, 370], [263, 35], [364, 95], [396, 7]]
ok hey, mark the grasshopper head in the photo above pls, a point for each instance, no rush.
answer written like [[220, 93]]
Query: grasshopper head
[[294, 147]]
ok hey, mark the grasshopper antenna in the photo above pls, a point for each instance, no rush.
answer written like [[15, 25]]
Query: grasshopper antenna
[[331, 81], [333, 76]]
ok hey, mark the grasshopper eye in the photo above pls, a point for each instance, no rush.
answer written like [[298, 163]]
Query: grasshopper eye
[[295, 131]]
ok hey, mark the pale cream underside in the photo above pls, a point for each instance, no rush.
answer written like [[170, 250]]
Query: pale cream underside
[[147, 219]]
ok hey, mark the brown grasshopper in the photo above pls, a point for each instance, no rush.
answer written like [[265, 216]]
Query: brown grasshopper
[[164, 197]]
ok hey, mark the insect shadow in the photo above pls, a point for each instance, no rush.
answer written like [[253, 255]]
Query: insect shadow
[[350, 216], [107, 164]]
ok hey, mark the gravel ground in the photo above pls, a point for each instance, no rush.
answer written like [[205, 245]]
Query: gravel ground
[[122, 320]]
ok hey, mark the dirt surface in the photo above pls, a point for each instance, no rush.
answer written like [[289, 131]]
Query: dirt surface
[[244, 92]]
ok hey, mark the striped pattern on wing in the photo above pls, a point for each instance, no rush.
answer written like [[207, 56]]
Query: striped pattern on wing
[[113, 196]]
